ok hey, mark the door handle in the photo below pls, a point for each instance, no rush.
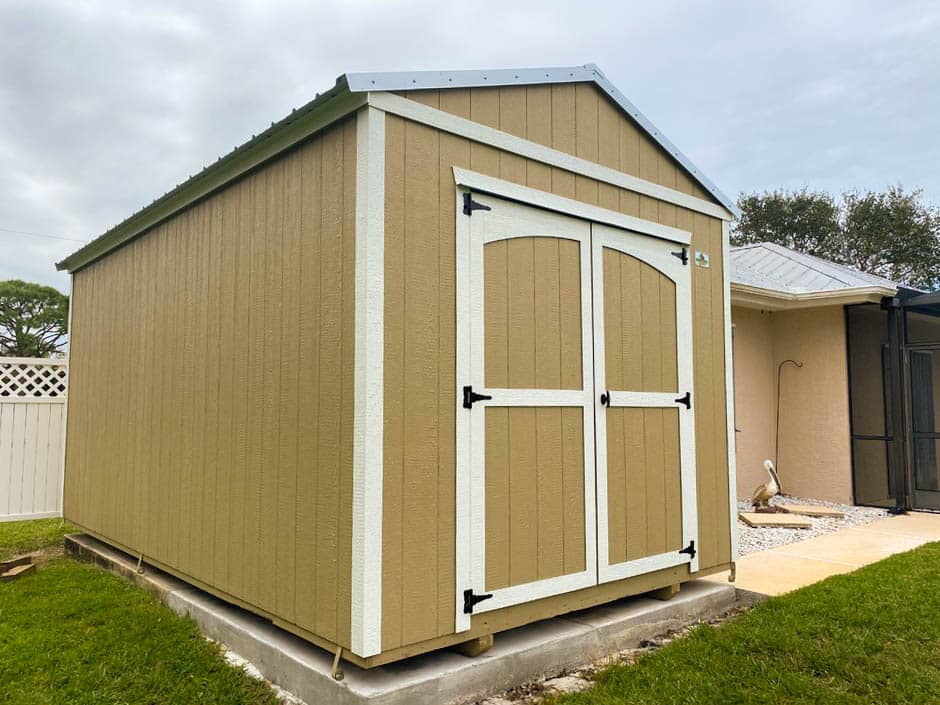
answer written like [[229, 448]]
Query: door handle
[[605, 399]]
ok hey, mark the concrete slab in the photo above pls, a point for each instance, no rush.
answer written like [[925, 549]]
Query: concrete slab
[[854, 546], [795, 565], [777, 521], [812, 510], [518, 656]]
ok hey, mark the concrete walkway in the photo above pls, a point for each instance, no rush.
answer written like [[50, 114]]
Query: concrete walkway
[[796, 565]]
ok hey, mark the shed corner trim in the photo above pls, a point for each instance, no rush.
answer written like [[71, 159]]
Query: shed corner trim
[[368, 446], [729, 388], [549, 201]]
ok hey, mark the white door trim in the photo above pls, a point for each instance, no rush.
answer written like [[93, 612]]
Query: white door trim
[[510, 220], [657, 255], [549, 201], [455, 125]]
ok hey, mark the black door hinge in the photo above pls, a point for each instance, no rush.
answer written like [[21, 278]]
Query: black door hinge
[[683, 255], [469, 396], [690, 549], [469, 205], [605, 399], [470, 600], [686, 399]]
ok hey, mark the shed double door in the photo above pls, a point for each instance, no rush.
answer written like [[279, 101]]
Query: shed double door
[[575, 442]]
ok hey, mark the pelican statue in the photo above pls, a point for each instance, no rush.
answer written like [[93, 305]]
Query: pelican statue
[[763, 493]]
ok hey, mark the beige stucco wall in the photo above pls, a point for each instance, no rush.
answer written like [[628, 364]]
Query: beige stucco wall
[[814, 458]]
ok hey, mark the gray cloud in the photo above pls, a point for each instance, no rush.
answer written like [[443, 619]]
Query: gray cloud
[[104, 106]]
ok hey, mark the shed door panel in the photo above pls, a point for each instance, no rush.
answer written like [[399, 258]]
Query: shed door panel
[[645, 435], [531, 452]]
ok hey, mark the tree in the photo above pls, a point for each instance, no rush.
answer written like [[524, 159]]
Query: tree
[[892, 234], [33, 319]]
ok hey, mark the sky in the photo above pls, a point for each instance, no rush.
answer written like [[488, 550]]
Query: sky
[[105, 106]]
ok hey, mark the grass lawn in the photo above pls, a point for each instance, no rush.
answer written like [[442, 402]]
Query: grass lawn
[[872, 636], [24, 536], [74, 634]]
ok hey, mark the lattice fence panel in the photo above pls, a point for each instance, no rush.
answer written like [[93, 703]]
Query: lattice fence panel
[[33, 378]]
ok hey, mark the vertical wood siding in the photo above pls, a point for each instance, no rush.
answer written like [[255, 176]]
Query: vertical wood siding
[[210, 418], [575, 118], [418, 521]]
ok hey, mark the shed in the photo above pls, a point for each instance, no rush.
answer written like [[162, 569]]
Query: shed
[[437, 355]]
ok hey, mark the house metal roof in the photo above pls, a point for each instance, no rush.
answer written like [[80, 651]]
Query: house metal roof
[[773, 267]]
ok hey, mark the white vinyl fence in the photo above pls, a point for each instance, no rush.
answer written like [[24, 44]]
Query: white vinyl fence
[[32, 434]]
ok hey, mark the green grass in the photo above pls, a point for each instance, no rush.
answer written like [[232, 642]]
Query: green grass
[[73, 634], [24, 536], [869, 637]]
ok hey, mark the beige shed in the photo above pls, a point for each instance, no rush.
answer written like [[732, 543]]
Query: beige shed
[[437, 355]]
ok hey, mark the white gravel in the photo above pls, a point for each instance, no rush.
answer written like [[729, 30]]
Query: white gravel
[[751, 540]]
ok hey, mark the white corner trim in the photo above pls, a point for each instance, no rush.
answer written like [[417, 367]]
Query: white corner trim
[[366, 602], [412, 110], [68, 393], [549, 201], [729, 389]]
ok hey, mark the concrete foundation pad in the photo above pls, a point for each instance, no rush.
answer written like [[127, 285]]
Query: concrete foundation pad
[[812, 510], [518, 656]]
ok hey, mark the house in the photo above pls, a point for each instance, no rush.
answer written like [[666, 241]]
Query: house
[[833, 380], [437, 355]]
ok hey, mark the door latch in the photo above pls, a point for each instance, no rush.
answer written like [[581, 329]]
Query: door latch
[[469, 396], [470, 600]]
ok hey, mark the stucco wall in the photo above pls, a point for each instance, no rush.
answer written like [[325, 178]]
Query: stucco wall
[[753, 395], [814, 458]]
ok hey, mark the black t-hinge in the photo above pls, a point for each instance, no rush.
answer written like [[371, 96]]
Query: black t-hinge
[[682, 254], [690, 549], [685, 399], [470, 396], [470, 600], [469, 205]]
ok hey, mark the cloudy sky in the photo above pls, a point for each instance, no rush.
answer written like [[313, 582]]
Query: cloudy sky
[[106, 105]]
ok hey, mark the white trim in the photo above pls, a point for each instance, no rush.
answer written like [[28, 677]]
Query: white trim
[[366, 602], [509, 220], [749, 296], [729, 389], [656, 254], [412, 110], [568, 206], [65, 408], [645, 399]]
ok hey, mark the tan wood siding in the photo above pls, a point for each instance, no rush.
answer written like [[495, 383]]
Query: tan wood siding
[[418, 520], [575, 118], [639, 326], [533, 313], [210, 415], [644, 502], [534, 494]]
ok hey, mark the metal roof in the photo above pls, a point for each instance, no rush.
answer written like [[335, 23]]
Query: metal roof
[[345, 96], [589, 73], [767, 265]]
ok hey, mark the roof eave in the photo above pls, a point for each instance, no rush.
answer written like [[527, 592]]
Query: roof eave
[[748, 296], [301, 124]]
